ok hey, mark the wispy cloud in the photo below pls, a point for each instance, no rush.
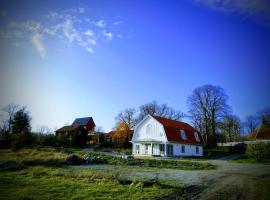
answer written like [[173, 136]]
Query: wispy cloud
[[107, 35], [258, 10], [37, 41], [100, 23], [66, 26]]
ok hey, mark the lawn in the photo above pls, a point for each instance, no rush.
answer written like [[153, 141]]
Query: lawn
[[41, 173], [64, 183], [245, 159], [56, 157]]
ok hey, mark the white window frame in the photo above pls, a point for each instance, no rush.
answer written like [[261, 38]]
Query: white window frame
[[197, 136], [183, 134]]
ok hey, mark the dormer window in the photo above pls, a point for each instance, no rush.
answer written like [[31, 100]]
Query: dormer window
[[197, 137], [183, 135]]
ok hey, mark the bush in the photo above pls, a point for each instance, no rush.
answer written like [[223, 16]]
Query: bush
[[257, 151], [10, 165], [75, 160]]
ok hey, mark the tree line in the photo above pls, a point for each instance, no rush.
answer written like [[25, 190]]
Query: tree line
[[208, 111]]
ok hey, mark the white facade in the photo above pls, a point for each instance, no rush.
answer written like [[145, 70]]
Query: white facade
[[149, 138]]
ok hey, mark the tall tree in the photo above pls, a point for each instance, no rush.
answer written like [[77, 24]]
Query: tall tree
[[10, 110], [251, 123], [162, 110], [122, 135], [128, 117], [21, 122], [207, 105], [231, 127]]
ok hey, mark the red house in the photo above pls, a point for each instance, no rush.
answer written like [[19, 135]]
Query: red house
[[87, 122]]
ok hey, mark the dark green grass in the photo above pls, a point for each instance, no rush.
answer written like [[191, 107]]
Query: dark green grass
[[245, 159], [62, 183]]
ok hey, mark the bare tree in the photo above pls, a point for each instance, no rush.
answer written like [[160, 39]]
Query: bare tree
[[162, 110], [207, 105], [10, 110], [251, 123], [44, 130], [128, 117], [231, 127]]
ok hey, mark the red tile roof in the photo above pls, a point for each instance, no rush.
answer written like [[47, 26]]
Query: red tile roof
[[173, 127], [263, 135], [68, 128]]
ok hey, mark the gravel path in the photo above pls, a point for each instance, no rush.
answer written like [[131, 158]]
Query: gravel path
[[225, 178]]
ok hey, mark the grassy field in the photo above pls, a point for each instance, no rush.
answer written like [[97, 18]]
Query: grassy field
[[245, 159], [41, 173], [64, 183]]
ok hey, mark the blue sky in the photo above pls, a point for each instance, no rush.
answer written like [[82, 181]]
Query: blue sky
[[80, 58]]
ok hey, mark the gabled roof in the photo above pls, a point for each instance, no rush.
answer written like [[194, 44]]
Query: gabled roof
[[68, 128], [172, 129], [82, 121], [263, 134]]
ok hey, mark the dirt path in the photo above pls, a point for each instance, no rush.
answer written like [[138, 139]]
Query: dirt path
[[228, 181]]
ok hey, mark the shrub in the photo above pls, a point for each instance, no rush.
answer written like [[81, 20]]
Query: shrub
[[258, 151], [75, 160], [10, 165]]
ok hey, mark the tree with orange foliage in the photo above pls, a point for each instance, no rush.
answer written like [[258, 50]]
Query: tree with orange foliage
[[122, 136]]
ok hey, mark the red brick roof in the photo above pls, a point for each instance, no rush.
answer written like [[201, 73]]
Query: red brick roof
[[173, 127]]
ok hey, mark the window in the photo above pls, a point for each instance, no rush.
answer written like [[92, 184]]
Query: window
[[183, 134], [183, 149], [161, 148], [197, 137], [148, 129], [169, 149], [160, 134], [197, 150]]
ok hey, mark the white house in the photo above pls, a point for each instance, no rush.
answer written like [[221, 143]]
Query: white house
[[158, 136]]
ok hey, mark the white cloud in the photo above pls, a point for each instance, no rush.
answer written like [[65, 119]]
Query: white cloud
[[89, 33], [108, 35], [117, 23], [259, 10], [37, 41], [65, 27], [81, 9], [90, 50], [101, 23]]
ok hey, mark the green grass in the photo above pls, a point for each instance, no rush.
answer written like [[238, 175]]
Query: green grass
[[56, 157], [245, 159], [63, 183], [262, 188], [156, 163]]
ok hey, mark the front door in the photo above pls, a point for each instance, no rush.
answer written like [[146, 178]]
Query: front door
[[148, 149]]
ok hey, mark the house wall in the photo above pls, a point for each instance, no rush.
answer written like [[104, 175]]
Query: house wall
[[157, 131], [190, 150], [157, 134]]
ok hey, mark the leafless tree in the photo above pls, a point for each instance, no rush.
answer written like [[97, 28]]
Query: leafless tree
[[162, 110], [44, 130], [207, 105], [128, 117], [251, 123], [231, 127], [10, 110]]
